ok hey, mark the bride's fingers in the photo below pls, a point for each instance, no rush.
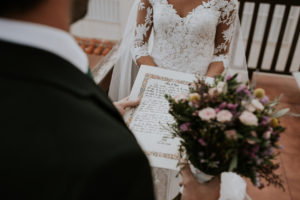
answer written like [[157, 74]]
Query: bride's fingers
[[131, 103], [186, 173], [124, 100], [214, 182]]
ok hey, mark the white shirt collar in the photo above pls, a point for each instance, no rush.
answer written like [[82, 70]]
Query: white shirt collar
[[46, 38]]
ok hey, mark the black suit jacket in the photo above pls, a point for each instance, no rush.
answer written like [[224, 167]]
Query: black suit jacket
[[60, 136]]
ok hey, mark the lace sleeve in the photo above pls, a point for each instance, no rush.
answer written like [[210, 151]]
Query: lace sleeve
[[225, 30], [142, 30]]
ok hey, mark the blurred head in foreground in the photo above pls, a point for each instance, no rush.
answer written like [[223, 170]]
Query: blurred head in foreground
[[49, 9]]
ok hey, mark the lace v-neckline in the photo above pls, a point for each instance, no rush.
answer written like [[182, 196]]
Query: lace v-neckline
[[204, 4]]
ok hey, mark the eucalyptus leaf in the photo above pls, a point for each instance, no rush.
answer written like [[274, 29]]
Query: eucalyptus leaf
[[233, 163], [280, 113], [274, 103]]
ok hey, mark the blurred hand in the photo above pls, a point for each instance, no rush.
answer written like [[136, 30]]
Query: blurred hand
[[126, 103], [193, 190]]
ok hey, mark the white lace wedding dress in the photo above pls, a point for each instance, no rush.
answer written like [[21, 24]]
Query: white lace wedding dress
[[187, 44]]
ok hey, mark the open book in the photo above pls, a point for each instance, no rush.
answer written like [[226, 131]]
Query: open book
[[149, 121]]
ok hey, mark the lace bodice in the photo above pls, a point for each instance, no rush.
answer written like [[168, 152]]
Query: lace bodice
[[189, 43]]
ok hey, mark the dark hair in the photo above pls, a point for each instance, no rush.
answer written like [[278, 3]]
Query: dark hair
[[8, 6]]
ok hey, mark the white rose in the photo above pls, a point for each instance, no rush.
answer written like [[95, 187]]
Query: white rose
[[257, 105], [207, 114], [250, 108], [267, 135], [244, 103], [248, 118], [224, 116], [180, 97], [220, 87]]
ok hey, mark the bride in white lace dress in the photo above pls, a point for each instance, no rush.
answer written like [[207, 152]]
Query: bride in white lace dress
[[191, 36], [196, 41]]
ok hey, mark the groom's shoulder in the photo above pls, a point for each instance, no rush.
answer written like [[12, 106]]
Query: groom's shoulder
[[84, 122]]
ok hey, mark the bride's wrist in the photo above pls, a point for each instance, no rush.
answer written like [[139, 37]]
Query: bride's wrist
[[146, 60]]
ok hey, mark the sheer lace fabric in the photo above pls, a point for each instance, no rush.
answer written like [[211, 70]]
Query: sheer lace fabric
[[187, 44]]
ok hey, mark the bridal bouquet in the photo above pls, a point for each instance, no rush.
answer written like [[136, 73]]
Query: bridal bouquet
[[228, 127]]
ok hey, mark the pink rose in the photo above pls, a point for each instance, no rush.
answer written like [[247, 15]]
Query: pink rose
[[231, 134], [224, 116], [207, 114], [180, 97], [248, 118]]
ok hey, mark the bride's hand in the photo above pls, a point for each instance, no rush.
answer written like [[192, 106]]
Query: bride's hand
[[193, 190], [126, 103], [214, 69], [146, 60]]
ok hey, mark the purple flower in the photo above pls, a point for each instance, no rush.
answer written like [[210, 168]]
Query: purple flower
[[217, 110], [228, 77], [247, 92], [269, 152], [265, 100], [232, 106], [223, 105], [202, 142], [241, 88], [265, 120], [185, 127]]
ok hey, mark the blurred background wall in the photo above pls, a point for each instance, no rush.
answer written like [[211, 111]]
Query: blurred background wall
[[105, 19]]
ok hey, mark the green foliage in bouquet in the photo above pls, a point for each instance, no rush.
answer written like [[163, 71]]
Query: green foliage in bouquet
[[228, 126]]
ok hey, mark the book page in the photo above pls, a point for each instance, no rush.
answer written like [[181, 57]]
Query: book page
[[149, 121]]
